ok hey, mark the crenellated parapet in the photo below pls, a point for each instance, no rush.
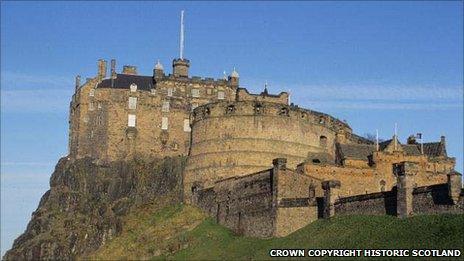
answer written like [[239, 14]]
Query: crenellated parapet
[[258, 108]]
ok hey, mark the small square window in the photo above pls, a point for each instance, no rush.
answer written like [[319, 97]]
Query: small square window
[[132, 103], [221, 95], [164, 123], [92, 92], [152, 91], [195, 93], [133, 87], [187, 125], [131, 120], [170, 92], [165, 107]]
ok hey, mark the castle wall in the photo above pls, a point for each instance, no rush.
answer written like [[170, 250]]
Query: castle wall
[[296, 207], [380, 203], [245, 205], [435, 200], [425, 200], [360, 178], [232, 139], [273, 202]]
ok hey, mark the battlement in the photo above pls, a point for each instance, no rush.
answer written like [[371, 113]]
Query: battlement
[[196, 79], [259, 108], [244, 95]]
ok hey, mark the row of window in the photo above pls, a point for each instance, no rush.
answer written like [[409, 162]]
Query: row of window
[[131, 122], [195, 92], [165, 106]]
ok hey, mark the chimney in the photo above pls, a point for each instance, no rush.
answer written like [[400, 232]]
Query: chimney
[[113, 68], [442, 140], [78, 82], [101, 69], [129, 69]]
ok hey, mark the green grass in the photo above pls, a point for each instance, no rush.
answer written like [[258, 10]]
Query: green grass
[[185, 233]]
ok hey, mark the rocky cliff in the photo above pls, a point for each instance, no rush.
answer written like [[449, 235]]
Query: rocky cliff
[[86, 202]]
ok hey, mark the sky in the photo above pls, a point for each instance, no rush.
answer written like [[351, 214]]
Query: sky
[[372, 64]]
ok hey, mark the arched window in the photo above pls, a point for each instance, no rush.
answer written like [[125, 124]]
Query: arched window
[[230, 109], [323, 141], [382, 185], [258, 108], [283, 111]]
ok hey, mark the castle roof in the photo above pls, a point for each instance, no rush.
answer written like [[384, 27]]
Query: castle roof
[[159, 66], [234, 74], [411, 149], [434, 149], [431, 149], [123, 81], [356, 151]]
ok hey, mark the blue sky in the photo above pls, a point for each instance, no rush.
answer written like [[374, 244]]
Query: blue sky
[[372, 63]]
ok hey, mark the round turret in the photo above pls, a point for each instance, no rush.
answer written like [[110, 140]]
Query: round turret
[[159, 66], [233, 78], [158, 72]]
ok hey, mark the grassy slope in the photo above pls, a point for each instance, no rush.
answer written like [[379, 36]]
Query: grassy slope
[[184, 232]]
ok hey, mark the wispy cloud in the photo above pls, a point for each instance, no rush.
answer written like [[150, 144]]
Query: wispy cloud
[[35, 93], [368, 96], [17, 80]]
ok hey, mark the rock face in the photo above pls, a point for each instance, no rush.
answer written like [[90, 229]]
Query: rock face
[[86, 201]]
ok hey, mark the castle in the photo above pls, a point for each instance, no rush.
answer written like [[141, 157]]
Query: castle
[[256, 163]]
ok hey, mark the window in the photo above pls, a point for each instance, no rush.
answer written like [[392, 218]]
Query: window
[[92, 92], [132, 103], [131, 120], [221, 95], [230, 109], [152, 91], [91, 107], [170, 92], [164, 123], [187, 125], [382, 185], [99, 105], [323, 141], [165, 107], [195, 93], [99, 120], [133, 87]]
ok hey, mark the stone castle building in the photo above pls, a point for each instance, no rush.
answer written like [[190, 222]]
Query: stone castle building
[[256, 163]]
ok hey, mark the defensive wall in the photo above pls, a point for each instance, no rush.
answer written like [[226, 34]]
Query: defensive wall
[[273, 202], [404, 200]]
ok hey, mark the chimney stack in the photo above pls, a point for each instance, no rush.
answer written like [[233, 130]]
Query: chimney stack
[[180, 67], [113, 68], [129, 69], [101, 69], [78, 82]]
